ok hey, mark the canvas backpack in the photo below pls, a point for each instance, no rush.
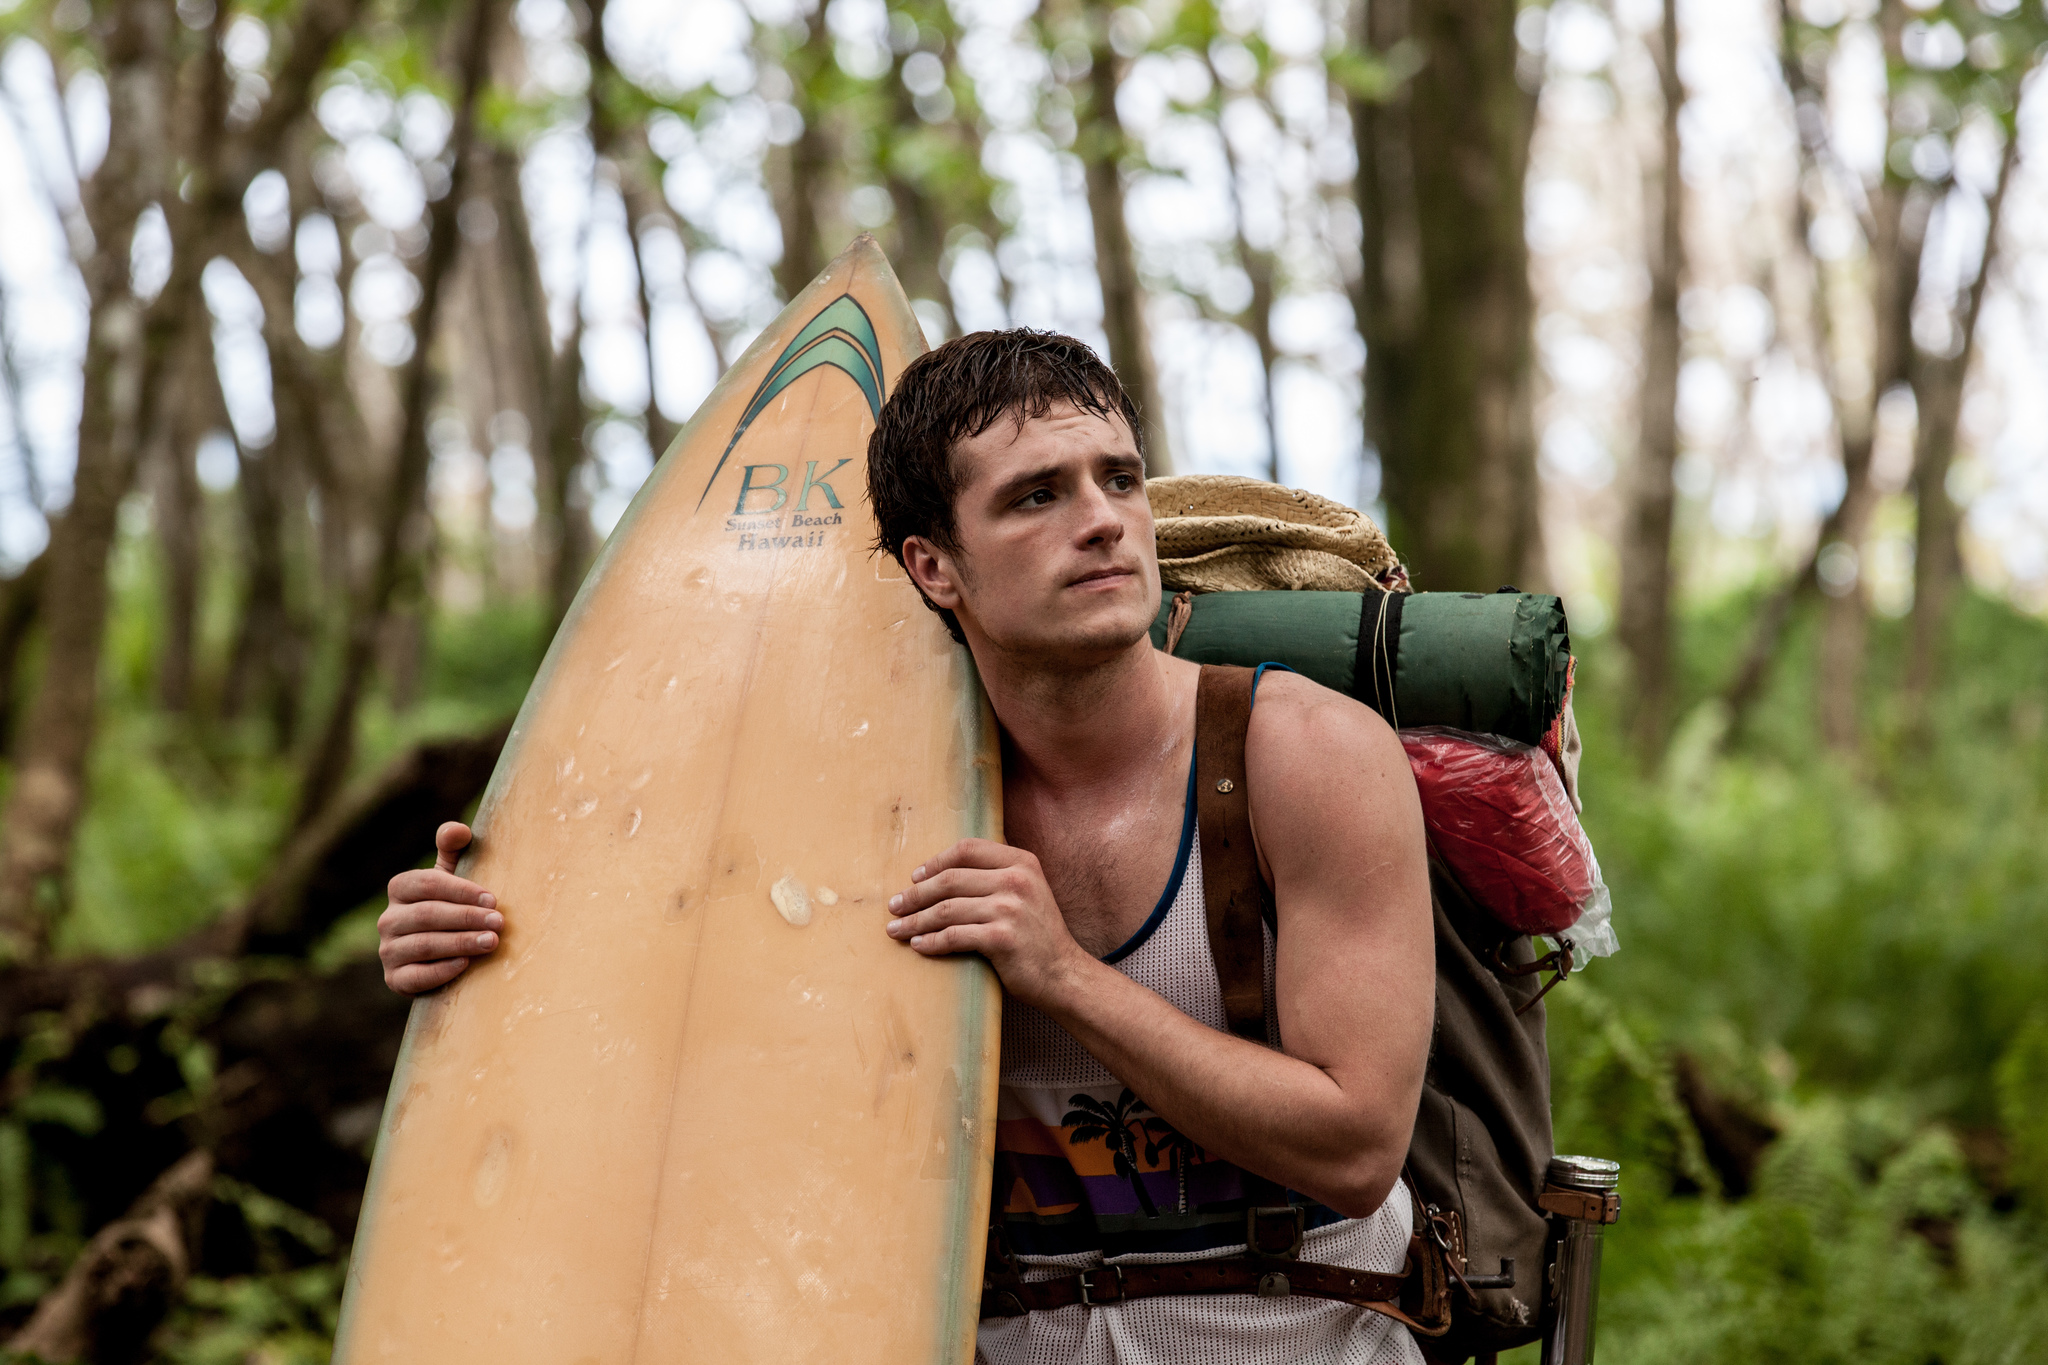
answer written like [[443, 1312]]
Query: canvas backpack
[[1482, 1144], [1482, 1140]]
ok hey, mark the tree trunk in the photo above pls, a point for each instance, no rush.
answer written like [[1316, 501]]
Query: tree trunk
[[21, 598], [525, 352], [626, 152], [918, 243], [1900, 218], [1937, 558], [268, 663], [1646, 573], [1261, 268], [180, 511], [10, 393], [1443, 297], [797, 173], [1896, 230], [49, 779], [335, 747], [563, 505], [1101, 148], [644, 206]]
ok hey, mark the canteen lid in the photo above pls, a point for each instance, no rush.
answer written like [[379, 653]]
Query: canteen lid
[[1584, 1173]]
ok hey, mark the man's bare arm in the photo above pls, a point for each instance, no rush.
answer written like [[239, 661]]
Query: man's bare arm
[[1340, 833]]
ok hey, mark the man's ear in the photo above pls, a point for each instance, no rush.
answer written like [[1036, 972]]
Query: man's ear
[[935, 572]]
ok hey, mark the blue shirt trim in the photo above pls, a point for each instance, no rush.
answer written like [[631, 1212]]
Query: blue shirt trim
[[1259, 674], [1180, 867]]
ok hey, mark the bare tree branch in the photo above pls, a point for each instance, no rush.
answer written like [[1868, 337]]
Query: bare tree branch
[[126, 1279], [336, 744]]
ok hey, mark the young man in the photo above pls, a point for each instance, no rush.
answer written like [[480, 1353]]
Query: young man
[[1007, 479]]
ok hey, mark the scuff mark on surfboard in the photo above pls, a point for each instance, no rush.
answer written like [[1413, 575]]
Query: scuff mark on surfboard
[[493, 1169], [735, 866], [945, 1132], [790, 900]]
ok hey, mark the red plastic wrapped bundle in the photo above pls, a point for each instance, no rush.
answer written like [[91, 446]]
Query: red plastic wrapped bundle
[[1498, 815]]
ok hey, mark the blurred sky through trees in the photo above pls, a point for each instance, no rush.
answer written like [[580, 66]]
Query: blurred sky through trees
[[336, 335]]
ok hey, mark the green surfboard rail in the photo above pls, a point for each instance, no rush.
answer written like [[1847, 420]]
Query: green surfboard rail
[[1492, 663]]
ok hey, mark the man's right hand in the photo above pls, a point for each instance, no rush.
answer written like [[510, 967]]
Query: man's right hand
[[436, 921]]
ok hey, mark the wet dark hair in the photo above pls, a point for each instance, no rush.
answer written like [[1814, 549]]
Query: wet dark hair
[[955, 393]]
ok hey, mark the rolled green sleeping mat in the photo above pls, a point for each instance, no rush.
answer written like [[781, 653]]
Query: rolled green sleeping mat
[[1494, 663]]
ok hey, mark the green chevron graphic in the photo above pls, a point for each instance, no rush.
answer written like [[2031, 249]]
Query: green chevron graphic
[[840, 336]]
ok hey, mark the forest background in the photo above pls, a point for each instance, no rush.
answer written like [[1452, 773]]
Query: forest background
[[338, 333]]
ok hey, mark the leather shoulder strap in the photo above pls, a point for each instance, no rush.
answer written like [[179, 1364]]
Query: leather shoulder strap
[[1232, 889]]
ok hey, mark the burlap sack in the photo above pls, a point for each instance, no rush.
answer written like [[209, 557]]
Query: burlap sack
[[1222, 533]]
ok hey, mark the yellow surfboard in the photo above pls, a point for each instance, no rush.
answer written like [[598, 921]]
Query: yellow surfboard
[[699, 1106]]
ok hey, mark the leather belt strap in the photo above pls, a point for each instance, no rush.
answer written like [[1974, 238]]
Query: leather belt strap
[[1232, 889], [1584, 1205], [1239, 1275]]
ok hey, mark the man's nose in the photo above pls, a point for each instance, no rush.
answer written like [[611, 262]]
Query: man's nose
[[1100, 524]]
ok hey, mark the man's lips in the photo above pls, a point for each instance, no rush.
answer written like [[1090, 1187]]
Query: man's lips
[[1101, 574]]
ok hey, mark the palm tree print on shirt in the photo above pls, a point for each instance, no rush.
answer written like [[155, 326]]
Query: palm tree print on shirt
[[1161, 1136], [1120, 1127]]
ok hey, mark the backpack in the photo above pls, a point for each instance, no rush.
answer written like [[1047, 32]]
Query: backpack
[[1482, 1142], [1289, 577]]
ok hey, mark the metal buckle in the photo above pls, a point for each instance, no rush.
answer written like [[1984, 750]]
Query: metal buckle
[[1297, 1222], [1088, 1300]]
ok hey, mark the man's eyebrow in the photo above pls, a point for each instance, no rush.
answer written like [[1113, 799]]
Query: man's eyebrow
[[1017, 483]]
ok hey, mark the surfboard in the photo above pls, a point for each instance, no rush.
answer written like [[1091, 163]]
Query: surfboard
[[698, 1106]]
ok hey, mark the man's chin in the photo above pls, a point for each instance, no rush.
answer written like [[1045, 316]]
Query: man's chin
[[1083, 639]]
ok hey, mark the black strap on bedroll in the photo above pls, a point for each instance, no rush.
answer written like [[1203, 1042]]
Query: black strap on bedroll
[[1379, 652], [1232, 888]]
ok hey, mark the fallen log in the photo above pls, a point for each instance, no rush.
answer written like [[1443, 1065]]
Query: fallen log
[[380, 827], [1732, 1138], [109, 1303]]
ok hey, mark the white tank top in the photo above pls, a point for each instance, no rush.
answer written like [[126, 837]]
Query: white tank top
[[1084, 1168]]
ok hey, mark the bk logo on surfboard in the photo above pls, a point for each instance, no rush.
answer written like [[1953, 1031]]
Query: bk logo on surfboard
[[805, 527], [766, 514]]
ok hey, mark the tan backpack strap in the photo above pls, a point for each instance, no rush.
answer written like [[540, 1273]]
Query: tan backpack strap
[[1234, 892]]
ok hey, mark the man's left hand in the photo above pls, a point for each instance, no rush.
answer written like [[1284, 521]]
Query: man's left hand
[[989, 898]]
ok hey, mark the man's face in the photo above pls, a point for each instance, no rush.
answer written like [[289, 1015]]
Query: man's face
[[1056, 560]]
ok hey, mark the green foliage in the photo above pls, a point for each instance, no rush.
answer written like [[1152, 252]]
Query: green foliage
[[1854, 955], [187, 811], [1851, 953], [2023, 1108], [286, 1318]]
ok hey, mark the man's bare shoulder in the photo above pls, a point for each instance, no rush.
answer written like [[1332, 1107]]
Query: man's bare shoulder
[[1325, 766], [1300, 724]]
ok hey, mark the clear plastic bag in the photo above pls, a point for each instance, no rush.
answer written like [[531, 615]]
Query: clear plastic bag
[[1498, 815]]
